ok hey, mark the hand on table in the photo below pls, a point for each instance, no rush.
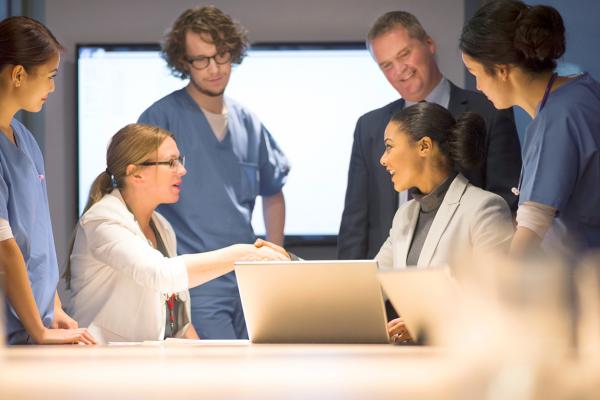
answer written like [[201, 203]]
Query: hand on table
[[65, 336], [398, 332]]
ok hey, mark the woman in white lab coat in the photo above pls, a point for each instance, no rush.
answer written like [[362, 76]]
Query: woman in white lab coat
[[126, 281]]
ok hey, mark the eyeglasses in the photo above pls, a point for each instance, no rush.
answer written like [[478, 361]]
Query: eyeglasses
[[201, 62], [173, 163]]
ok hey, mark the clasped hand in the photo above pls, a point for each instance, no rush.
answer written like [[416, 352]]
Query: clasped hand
[[398, 332]]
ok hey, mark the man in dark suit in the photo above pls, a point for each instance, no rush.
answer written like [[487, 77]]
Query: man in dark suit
[[406, 55]]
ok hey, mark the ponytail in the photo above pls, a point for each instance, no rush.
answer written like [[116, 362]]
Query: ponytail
[[466, 141], [461, 142], [102, 185]]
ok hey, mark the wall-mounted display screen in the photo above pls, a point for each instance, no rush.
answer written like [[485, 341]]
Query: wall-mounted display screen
[[309, 96]]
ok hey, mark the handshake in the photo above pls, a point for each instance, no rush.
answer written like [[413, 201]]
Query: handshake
[[263, 250]]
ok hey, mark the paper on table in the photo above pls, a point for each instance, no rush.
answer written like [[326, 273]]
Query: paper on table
[[206, 342], [133, 344], [182, 342]]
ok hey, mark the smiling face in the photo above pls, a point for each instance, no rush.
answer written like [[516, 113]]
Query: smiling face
[[212, 80], [492, 85], [402, 158], [35, 85], [162, 183], [407, 63]]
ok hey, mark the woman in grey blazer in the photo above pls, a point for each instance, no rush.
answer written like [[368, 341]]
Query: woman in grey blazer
[[425, 151]]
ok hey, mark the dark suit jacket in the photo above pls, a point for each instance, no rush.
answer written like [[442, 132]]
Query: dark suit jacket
[[371, 200]]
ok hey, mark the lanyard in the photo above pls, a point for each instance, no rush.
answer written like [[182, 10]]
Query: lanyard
[[171, 306], [547, 92], [516, 190]]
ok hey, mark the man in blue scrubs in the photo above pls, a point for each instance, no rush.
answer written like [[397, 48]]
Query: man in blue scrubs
[[231, 159]]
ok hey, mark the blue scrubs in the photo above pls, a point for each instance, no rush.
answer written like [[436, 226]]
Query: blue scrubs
[[217, 197], [24, 203], [561, 160]]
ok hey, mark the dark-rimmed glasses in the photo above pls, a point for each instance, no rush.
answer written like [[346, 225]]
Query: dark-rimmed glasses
[[201, 62], [173, 163]]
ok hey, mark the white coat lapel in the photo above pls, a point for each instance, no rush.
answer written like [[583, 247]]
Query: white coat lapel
[[407, 230], [442, 219], [116, 209]]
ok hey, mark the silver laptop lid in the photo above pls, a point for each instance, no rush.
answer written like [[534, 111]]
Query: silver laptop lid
[[425, 298], [312, 302]]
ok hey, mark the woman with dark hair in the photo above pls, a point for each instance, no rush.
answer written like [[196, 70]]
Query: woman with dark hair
[[29, 58], [425, 151], [511, 48]]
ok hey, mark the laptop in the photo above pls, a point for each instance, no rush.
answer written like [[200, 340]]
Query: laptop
[[425, 298], [312, 302]]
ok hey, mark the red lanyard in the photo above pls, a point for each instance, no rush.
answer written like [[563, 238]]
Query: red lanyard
[[171, 307]]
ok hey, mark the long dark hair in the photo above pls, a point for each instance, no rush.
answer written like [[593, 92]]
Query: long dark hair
[[461, 141], [514, 33], [27, 42]]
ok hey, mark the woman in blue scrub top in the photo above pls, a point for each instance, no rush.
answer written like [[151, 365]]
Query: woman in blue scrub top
[[29, 58], [511, 48]]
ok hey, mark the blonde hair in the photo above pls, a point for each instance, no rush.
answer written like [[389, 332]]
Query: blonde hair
[[131, 145]]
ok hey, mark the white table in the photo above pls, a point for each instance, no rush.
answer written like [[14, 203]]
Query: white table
[[223, 371], [227, 370]]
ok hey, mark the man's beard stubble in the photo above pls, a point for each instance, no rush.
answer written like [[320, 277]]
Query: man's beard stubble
[[205, 91]]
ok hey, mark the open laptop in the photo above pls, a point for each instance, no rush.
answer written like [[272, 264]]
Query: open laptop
[[312, 302], [425, 298]]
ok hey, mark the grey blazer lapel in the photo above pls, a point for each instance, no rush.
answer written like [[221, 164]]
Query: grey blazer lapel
[[442, 219], [407, 230]]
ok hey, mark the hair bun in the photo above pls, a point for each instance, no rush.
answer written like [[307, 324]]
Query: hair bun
[[467, 141], [539, 35]]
